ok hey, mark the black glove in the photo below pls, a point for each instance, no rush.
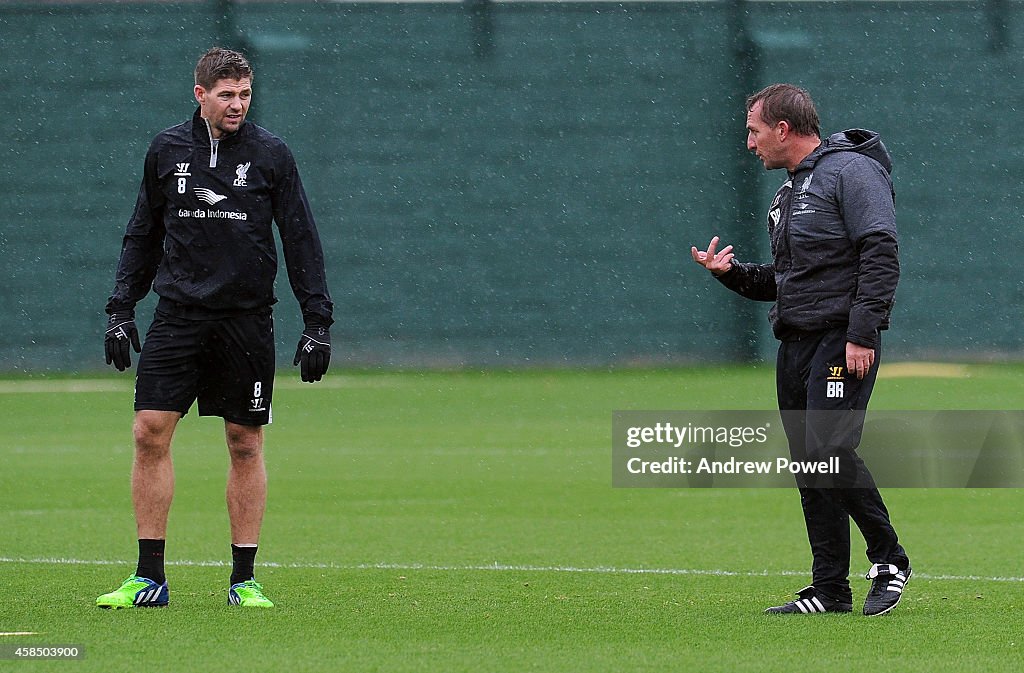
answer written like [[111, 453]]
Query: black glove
[[314, 352], [121, 331]]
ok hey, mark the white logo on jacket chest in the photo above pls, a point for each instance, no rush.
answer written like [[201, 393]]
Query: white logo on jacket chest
[[208, 195], [803, 207], [775, 211], [183, 175], [240, 174], [806, 184]]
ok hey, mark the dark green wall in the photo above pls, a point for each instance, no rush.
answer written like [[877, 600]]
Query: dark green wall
[[518, 183]]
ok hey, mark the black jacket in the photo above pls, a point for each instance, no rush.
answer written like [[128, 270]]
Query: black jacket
[[202, 228], [834, 245]]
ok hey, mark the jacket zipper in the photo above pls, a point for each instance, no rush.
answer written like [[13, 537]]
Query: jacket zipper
[[784, 243], [213, 144]]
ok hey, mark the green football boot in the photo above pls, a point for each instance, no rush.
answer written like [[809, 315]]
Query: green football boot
[[248, 594], [136, 592]]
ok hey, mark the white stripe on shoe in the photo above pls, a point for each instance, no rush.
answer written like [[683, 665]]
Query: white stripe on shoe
[[809, 606]]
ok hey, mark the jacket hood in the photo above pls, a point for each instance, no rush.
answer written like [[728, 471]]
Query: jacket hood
[[861, 141]]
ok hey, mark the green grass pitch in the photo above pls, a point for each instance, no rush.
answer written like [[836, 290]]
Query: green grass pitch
[[465, 521]]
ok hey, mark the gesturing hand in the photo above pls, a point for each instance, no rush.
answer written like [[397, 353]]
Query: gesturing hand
[[715, 262]]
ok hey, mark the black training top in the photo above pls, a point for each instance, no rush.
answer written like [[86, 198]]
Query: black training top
[[201, 232], [835, 251]]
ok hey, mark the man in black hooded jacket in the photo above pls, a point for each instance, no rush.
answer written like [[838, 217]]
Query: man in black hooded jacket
[[833, 276]]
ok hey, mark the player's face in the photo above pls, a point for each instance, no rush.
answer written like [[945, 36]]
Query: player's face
[[225, 105], [763, 140]]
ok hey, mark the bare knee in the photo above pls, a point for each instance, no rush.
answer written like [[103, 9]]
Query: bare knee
[[153, 431], [245, 442]]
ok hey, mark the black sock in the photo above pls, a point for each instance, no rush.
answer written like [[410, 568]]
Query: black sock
[[242, 561], [151, 560]]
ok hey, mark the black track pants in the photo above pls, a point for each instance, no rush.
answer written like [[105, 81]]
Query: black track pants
[[822, 409]]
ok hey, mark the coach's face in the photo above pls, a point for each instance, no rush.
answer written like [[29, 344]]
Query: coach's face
[[763, 140], [225, 105]]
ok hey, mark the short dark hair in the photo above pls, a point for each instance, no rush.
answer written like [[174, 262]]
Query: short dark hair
[[788, 103], [219, 63]]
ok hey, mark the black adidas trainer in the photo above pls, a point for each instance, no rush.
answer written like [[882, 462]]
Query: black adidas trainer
[[809, 602], [887, 583]]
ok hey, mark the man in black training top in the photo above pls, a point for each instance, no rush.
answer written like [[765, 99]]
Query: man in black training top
[[833, 277], [201, 235]]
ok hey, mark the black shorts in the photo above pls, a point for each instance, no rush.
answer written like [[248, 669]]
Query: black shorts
[[226, 363]]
